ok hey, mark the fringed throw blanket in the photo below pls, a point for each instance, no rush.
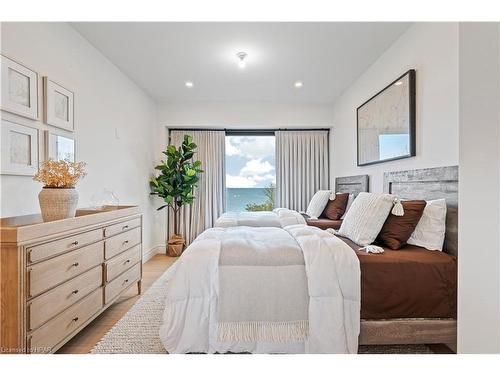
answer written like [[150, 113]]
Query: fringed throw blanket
[[263, 290]]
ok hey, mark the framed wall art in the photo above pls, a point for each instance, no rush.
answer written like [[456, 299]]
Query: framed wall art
[[19, 149], [386, 123], [59, 147], [19, 89], [58, 105]]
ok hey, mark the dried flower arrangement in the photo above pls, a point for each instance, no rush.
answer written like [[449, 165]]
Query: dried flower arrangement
[[60, 173]]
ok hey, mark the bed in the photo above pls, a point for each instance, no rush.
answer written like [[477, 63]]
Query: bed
[[263, 290], [433, 325], [281, 217], [229, 274], [278, 218], [348, 184]]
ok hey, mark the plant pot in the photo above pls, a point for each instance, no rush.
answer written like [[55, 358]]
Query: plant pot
[[175, 245], [58, 203]]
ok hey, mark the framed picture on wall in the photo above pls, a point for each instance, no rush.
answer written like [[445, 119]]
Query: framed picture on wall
[[386, 123], [58, 105], [19, 151], [19, 89], [59, 147]]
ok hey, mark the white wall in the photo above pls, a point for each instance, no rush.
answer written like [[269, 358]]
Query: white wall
[[479, 189], [105, 101], [431, 49], [247, 115]]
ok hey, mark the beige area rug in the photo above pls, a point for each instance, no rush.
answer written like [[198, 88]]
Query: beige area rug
[[137, 331]]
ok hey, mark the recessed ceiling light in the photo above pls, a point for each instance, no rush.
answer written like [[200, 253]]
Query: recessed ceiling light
[[189, 84], [298, 84], [398, 83], [241, 59]]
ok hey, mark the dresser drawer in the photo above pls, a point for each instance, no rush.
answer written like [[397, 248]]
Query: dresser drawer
[[51, 303], [121, 242], [47, 274], [122, 227], [123, 262], [50, 249], [55, 330], [122, 282]]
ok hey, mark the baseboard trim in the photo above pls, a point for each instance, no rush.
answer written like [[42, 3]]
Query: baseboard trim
[[152, 252]]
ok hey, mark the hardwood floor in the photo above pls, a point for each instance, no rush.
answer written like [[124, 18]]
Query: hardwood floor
[[85, 340]]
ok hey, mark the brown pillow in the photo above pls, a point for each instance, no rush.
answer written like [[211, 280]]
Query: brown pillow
[[335, 208], [397, 229]]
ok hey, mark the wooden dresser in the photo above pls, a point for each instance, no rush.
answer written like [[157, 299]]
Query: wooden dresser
[[56, 277]]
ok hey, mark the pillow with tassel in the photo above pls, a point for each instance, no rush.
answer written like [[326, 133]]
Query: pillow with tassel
[[367, 215], [397, 229], [335, 208], [318, 203]]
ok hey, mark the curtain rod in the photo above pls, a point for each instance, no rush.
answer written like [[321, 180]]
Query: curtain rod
[[236, 130]]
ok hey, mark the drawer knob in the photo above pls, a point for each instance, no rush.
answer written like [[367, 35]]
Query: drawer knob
[[125, 227], [75, 291], [75, 319], [125, 242], [74, 243], [126, 280], [127, 261], [76, 264]]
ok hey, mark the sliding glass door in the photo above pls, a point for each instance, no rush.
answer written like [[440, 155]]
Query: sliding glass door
[[250, 172]]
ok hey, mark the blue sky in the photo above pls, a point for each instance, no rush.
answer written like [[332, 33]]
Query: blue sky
[[250, 161], [393, 145]]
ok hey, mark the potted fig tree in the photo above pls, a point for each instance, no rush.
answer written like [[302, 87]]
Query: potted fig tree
[[175, 184]]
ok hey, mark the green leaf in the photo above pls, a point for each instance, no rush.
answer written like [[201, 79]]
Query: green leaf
[[188, 155]]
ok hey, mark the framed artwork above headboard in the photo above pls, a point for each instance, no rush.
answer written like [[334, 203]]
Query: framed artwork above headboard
[[386, 122]]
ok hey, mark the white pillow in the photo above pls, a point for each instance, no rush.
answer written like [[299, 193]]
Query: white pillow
[[431, 227], [365, 218], [350, 199], [318, 203]]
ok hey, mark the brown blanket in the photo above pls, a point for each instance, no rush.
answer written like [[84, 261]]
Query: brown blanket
[[324, 223], [408, 283]]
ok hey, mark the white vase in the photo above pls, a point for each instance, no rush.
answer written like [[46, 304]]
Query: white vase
[[58, 203]]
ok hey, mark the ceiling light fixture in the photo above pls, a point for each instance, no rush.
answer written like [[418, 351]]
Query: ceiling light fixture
[[241, 59], [298, 84], [189, 84]]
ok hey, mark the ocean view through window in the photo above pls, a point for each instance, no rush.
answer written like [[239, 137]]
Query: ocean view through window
[[250, 173]]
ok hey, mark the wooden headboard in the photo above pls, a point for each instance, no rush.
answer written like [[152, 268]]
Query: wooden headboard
[[352, 184], [428, 184]]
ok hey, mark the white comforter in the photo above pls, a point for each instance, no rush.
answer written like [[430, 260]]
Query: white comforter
[[333, 275], [279, 218]]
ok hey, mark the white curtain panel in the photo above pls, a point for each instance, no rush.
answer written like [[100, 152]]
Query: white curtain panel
[[210, 193], [301, 167]]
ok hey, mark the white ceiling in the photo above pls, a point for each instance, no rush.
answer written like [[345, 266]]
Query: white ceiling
[[160, 57]]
